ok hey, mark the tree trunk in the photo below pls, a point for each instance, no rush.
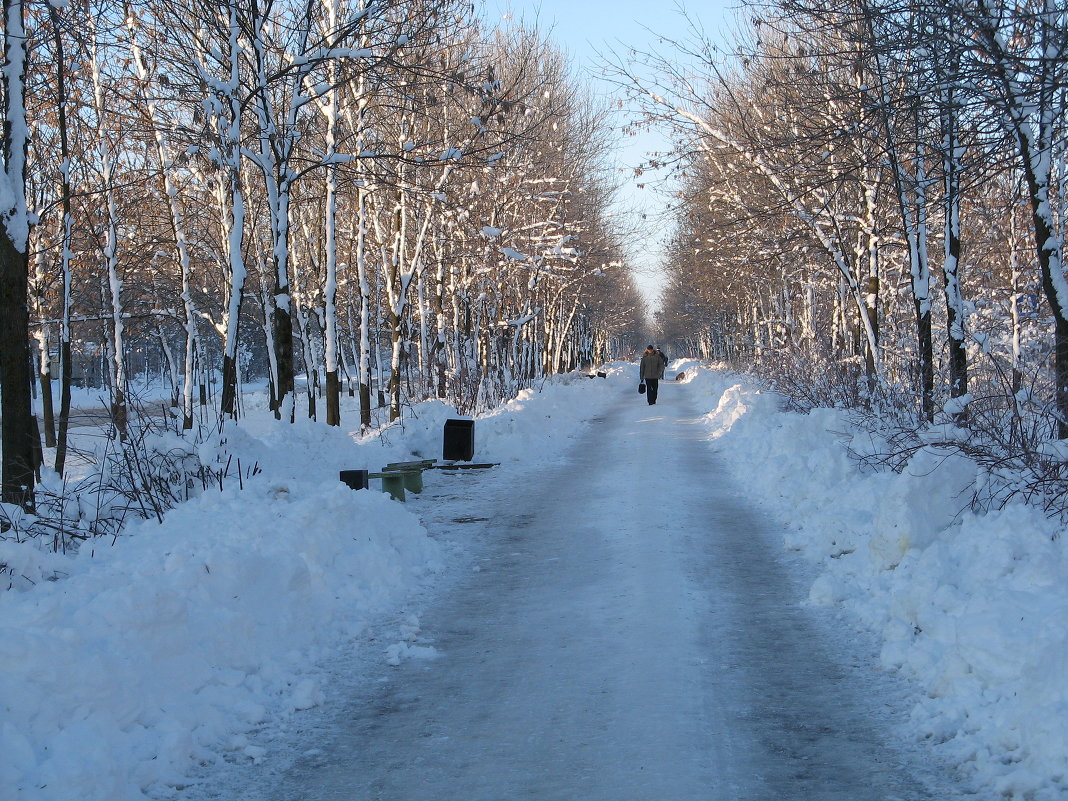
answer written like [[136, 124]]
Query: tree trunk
[[231, 200], [363, 370], [172, 366], [15, 403], [958, 353], [228, 402], [65, 238], [272, 361], [232, 218], [45, 381], [330, 332], [1017, 296], [282, 339], [66, 375], [1051, 267]]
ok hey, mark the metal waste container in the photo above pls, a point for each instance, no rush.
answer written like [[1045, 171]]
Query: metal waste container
[[459, 441], [355, 479]]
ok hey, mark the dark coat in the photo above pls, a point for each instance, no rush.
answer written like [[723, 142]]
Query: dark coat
[[652, 365]]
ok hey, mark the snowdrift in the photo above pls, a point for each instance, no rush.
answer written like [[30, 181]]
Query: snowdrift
[[972, 608]]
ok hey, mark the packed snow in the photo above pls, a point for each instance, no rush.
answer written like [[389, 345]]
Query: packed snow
[[129, 663]]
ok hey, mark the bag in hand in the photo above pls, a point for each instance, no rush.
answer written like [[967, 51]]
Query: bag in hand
[[641, 388]]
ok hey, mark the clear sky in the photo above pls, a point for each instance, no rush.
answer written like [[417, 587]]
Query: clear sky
[[585, 28]]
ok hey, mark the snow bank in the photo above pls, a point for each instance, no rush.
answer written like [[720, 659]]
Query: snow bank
[[151, 651], [972, 608], [123, 665]]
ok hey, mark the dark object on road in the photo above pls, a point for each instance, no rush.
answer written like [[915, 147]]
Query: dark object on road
[[459, 441], [680, 376], [355, 479]]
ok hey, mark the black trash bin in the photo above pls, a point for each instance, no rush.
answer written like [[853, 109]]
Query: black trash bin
[[459, 442], [355, 479]]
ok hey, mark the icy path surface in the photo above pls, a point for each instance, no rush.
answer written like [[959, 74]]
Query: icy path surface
[[630, 635]]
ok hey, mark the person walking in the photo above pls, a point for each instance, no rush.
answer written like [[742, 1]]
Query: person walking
[[650, 371]]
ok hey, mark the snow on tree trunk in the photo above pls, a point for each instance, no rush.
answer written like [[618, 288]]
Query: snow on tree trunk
[[44, 348], [282, 319], [16, 409], [870, 257], [425, 368], [225, 109], [106, 156], [232, 209], [441, 355], [16, 485], [364, 358], [952, 153], [333, 383], [921, 283], [1016, 298], [119, 409]]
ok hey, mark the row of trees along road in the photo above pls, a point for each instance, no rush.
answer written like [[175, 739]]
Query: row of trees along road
[[872, 209], [382, 194]]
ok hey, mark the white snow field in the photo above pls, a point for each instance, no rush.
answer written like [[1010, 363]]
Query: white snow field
[[617, 611]]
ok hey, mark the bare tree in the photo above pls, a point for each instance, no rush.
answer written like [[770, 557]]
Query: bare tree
[[1018, 56]]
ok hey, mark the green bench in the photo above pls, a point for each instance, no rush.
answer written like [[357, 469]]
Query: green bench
[[398, 477]]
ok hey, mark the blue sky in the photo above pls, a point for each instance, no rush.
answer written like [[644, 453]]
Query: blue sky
[[586, 27]]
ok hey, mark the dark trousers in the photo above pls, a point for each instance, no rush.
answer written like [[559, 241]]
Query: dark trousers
[[651, 385]]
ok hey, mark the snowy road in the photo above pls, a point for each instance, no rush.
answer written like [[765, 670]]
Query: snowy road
[[630, 635]]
